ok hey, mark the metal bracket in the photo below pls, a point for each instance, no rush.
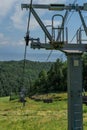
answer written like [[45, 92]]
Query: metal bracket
[[66, 48]]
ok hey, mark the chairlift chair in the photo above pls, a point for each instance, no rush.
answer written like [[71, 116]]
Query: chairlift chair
[[84, 98]]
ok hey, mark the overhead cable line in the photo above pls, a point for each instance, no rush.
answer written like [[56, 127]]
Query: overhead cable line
[[75, 35], [70, 17], [71, 13], [28, 27], [74, 1], [76, 32], [25, 52], [27, 39], [49, 55]]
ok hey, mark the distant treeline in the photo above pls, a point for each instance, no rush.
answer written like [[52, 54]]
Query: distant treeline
[[12, 77], [38, 77]]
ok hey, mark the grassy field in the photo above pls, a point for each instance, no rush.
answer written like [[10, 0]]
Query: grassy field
[[36, 115]]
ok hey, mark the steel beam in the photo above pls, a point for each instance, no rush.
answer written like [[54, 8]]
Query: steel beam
[[66, 48], [55, 7], [41, 24], [44, 6]]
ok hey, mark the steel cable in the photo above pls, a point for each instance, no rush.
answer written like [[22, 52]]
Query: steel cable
[[25, 52], [76, 33], [29, 17], [71, 13]]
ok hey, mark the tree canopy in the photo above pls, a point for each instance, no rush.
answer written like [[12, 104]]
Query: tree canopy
[[39, 77]]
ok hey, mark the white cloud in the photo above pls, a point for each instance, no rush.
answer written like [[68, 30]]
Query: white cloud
[[1, 35], [33, 24], [3, 39], [17, 18], [5, 6], [20, 17], [7, 41]]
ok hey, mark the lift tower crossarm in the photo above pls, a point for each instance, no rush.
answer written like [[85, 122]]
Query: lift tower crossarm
[[66, 48], [40, 6], [59, 7], [56, 6]]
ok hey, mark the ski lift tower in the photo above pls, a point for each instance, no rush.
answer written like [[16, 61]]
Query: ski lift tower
[[73, 51]]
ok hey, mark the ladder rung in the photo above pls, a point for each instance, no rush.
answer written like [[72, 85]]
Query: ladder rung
[[78, 120], [77, 128], [77, 112], [77, 104]]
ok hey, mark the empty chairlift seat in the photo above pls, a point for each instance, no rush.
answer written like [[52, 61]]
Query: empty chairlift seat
[[84, 98]]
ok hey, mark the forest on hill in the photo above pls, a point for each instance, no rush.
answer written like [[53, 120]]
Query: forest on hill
[[11, 75], [39, 77]]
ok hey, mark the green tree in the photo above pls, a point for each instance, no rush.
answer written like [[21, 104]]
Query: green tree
[[41, 82], [57, 76], [55, 80]]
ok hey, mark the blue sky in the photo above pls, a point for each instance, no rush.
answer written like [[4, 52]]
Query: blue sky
[[13, 25]]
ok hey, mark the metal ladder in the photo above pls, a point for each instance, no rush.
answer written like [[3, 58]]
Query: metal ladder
[[77, 117]]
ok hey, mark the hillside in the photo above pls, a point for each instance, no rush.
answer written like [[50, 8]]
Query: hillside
[[39, 77], [11, 74]]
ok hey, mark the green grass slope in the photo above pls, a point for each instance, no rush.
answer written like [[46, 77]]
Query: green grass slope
[[36, 115]]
